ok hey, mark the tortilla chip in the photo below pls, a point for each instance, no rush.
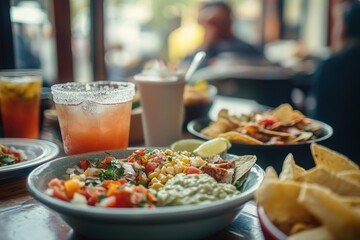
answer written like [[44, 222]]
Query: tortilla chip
[[270, 174], [352, 175], [291, 171], [270, 177], [277, 133], [303, 137], [351, 201], [215, 128], [279, 200], [283, 112], [236, 137], [242, 166], [296, 114], [223, 113], [319, 233], [331, 160], [299, 227], [331, 181], [338, 218]]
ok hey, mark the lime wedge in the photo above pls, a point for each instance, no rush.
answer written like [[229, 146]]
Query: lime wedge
[[186, 145], [213, 147]]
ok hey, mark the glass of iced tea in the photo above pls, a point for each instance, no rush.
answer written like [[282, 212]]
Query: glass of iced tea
[[20, 91], [94, 116]]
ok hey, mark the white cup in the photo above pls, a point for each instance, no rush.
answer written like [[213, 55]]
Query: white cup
[[163, 109]]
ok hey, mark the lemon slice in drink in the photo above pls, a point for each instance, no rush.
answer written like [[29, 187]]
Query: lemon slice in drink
[[186, 145], [213, 147]]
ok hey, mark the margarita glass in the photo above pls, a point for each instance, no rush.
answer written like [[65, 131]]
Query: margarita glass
[[94, 116]]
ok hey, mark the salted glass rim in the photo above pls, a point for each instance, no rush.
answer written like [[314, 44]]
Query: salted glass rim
[[103, 92]]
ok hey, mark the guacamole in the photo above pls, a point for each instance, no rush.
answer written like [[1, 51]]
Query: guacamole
[[186, 189]]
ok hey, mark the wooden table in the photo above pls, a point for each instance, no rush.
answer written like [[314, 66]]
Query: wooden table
[[23, 217]]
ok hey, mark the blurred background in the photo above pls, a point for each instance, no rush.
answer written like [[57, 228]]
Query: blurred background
[[134, 31], [87, 40], [90, 40]]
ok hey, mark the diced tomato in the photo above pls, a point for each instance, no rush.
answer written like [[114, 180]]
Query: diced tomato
[[138, 178], [193, 170], [15, 154], [84, 164], [122, 180], [123, 199], [57, 193], [111, 202], [150, 167], [94, 196], [151, 197], [140, 152], [55, 182], [267, 121], [107, 159], [84, 192], [92, 200], [103, 165], [136, 154]]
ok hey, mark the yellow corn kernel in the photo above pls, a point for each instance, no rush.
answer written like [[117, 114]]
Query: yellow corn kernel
[[185, 160], [162, 178], [169, 152], [153, 174], [86, 172], [163, 170], [157, 185], [154, 180], [179, 168], [170, 170], [144, 159], [169, 176]]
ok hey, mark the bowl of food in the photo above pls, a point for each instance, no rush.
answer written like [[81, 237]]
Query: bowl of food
[[270, 135], [198, 99], [317, 203], [146, 193]]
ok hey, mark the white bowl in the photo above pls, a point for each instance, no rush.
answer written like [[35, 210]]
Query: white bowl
[[180, 222]]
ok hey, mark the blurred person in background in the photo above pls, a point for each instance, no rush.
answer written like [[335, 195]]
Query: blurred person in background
[[336, 88], [217, 19]]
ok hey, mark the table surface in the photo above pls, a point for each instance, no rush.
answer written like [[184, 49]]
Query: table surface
[[21, 214]]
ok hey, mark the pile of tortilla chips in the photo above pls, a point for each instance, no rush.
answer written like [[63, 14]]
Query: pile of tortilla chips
[[283, 125], [319, 203]]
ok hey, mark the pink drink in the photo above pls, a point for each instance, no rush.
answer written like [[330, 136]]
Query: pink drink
[[98, 123]]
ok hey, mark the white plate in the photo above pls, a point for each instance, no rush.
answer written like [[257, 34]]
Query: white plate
[[38, 151]]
